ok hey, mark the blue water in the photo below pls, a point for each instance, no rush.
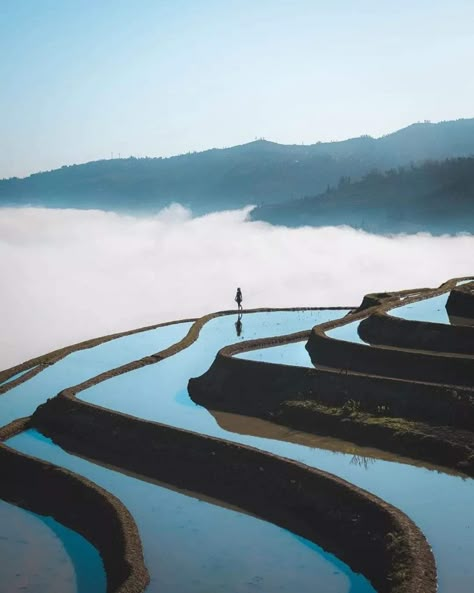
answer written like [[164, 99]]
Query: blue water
[[428, 310], [193, 546], [12, 378], [347, 332], [41, 556], [291, 354], [75, 368], [295, 354], [440, 504]]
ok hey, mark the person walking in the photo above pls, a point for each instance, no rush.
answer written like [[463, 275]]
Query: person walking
[[238, 299]]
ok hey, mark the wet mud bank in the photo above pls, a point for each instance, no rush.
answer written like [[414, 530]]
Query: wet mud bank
[[368, 534], [434, 444], [80, 505]]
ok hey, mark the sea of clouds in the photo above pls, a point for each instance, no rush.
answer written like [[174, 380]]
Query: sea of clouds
[[69, 275]]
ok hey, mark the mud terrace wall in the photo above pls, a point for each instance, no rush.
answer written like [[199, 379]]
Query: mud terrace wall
[[461, 301], [371, 536], [455, 369], [39, 363], [383, 329], [251, 387], [79, 504], [420, 417], [390, 362]]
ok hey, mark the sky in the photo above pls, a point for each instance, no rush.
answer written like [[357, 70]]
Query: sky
[[71, 275], [82, 79]]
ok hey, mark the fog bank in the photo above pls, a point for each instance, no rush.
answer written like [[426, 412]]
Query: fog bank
[[69, 275]]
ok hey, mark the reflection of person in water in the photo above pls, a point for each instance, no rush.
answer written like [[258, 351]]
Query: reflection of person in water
[[238, 299], [238, 325]]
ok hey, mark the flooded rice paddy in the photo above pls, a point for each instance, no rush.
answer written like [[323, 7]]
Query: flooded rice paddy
[[22, 400], [196, 545], [39, 554]]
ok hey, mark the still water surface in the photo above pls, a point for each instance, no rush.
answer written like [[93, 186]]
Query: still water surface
[[439, 503], [192, 545], [79, 366], [39, 555], [428, 310]]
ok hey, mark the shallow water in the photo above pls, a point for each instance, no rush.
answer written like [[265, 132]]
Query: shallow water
[[39, 555], [75, 368], [10, 379], [294, 354], [191, 545], [428, 310], [440, 504], [348, 332]]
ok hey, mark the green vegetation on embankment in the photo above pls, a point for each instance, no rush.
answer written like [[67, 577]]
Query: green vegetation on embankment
[[435, 197], [441, 445]]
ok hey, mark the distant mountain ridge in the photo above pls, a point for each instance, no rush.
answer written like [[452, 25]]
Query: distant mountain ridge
[[259, 172], [435, 197]]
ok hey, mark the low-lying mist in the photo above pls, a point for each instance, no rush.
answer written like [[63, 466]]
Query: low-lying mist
[[69, 275]]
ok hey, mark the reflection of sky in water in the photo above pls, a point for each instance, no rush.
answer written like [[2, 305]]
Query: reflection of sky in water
[[440, 504], [79, 366], [347, 332], [429, 310], [293, 354], [39, 554], [10, 379], [194, 546]]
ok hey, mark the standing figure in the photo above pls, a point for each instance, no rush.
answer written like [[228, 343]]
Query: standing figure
[[238, 299]]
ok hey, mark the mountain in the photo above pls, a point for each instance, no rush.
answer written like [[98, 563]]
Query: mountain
[[259, 172], [436, 197]]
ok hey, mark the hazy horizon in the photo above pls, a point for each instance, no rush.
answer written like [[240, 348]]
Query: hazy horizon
[[83, 81], [113, 156]]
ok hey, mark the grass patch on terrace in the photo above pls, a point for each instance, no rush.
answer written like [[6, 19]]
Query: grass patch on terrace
[[442, 445]]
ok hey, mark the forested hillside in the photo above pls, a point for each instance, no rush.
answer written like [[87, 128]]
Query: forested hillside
[[260, 172], [436, 197]]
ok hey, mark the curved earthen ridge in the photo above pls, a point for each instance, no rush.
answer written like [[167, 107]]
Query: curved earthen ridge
[[262, 390], [259, 389], [425, 366], [256, 384], [368, 534], [461, 302], [39, 363], [393, 552], [382, 328], [80, 505], [384, 543]]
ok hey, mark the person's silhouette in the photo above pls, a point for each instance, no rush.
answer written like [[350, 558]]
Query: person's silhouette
[[238, 299], [238, 325]]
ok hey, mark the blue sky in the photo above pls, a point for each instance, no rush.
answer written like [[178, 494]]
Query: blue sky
[[81, 79]]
